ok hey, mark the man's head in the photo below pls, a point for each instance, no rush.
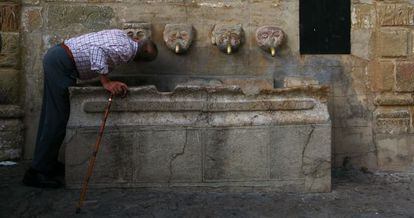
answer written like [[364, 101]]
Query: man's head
[[147, 51]]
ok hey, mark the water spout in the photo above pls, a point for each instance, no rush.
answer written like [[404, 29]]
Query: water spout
[[177, 48], [228, 49], [273, 51]]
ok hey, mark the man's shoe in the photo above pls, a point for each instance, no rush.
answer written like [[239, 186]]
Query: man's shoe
[[37, 179]]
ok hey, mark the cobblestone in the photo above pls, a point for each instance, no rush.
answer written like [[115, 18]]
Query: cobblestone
[[355, 194]]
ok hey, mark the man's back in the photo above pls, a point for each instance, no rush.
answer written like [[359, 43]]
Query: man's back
[[96, 53]]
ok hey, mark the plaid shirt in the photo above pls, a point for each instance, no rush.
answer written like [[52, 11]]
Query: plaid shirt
[[98, 53]]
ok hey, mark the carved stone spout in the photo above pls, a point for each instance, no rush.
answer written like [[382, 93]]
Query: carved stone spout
[[228, 38], [178, 37], [138, 31], [269, 38]]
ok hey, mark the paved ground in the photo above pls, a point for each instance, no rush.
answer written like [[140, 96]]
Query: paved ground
[[355, 194]]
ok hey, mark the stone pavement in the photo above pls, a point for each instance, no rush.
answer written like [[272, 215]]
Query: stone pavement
[[354, 194]]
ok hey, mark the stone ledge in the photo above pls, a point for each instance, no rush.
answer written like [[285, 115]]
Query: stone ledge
[[391, 99], [10, 111], [202, 106], [392, 121]]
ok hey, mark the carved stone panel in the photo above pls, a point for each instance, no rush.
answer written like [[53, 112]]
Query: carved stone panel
[[228, 38], [9, 17], [138, 31], [269, 38], [178, 37]]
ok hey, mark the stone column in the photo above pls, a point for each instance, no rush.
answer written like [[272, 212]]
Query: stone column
[[11, 127]]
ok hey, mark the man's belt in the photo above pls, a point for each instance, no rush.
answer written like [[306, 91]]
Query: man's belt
[[67, 49]]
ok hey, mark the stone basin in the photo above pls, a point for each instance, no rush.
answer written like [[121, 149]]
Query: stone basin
[[203, 137]]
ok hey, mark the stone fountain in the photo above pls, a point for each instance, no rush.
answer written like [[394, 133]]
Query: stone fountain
[[203, 136]]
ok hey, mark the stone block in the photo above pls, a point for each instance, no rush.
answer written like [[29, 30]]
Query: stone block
[[361, 43], [381, 75], [10, 17], [353, 140], [357, 160], [165, 156], [9, 55], [393, 42], [114, 162], [90, 17], [299, 81], [236, 155], [391, 99], [350, 111], [32, 19], [312, 144], [395, 153], [404, 77], [392, 121], [11, 134], [250, 86], [10, 111], [9, 86], [399, 14], [363, 16], [31, 2], [351, 81]]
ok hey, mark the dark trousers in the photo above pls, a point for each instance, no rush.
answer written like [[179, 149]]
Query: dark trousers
[[59, 73]]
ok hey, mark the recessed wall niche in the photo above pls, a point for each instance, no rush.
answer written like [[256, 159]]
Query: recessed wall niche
[[325, 26]]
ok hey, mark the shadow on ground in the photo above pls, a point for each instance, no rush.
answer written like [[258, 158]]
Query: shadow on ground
[[355, 194]]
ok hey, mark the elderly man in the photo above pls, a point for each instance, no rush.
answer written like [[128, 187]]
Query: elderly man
[[83, 57]]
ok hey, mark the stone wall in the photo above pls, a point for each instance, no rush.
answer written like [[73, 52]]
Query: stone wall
[[11, 127], [370, 101]]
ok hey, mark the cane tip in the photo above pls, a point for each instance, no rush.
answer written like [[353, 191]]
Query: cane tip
[[77, 210]]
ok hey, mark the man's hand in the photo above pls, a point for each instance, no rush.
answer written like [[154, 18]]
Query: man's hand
[[115, 87]]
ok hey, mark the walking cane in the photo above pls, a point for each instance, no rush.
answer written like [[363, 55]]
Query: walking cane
[[93, 157]]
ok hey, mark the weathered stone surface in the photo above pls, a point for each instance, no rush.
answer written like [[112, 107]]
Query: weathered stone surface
[[360, 41], [9, 86], [395, 14], [204, 147], [203, 104], [404, 77], [250, 86], [32, 18], [353, 141], [312, 144], [90, 17], [10, 16], [363, 16], [392, 121], [114, 164], [382, 75], [395, 153], [11, 138], [236, 155], [10, 111], [31, 2], [355, 146], [350, 112], [393, 42], [390, 99], [170, 155], [9, 56], [299, 81]]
